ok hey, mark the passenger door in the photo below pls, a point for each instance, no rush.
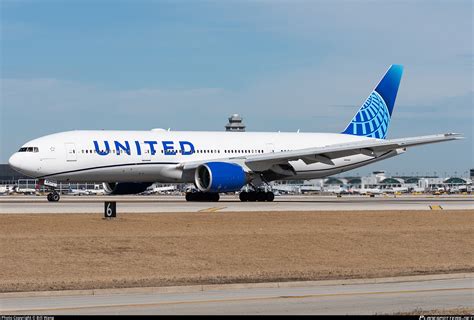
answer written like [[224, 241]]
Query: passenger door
[[269, 147], [71, 154]]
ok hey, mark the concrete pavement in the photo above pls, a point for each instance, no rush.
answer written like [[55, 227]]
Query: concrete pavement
[[356, 298], [155, 204]]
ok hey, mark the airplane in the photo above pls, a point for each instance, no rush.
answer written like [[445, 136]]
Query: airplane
[[155, 189], [337, 190], [78, 192], [309, 188], [366, 191], [6, 189], [128, 162], [286, 188], [396, 190], [24, 190]]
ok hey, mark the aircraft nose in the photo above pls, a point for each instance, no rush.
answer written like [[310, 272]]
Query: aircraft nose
[[15, 161]]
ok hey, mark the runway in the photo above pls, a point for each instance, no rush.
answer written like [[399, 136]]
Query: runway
[[168, 203], [363, 298]]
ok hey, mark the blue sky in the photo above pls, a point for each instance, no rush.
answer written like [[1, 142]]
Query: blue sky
[[283, 65]]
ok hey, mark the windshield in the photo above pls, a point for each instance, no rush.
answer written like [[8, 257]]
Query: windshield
[[29, 149]]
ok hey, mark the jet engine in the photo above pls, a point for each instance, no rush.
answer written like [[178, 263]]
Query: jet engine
[[220, 177]]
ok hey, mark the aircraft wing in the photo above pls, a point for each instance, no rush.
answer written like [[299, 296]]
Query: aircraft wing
[[372, 147]]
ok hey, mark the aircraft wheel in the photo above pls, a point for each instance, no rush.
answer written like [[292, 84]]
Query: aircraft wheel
[[53, 197], [189, 196], [252, 196], [243, 196], [270, 196], [261, 196], [56, 197], [214, 197]]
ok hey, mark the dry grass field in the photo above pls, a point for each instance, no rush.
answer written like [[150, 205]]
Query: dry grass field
[[75, 251]]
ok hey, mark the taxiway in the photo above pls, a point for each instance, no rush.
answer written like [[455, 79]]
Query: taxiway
[[167, 203]]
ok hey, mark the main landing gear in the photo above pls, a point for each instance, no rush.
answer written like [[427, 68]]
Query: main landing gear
[[53, 196], [202, 196], [256, 196]]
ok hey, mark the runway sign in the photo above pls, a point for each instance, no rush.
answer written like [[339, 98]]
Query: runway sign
[[110, 209]]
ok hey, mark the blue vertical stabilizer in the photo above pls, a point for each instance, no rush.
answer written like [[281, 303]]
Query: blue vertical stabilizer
[[373, 117]]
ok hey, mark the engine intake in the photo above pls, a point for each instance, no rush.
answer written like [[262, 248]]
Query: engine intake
[[219, 177], [125, 187]]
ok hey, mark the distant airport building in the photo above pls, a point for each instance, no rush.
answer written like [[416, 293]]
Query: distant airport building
[[235, 123], [377, 181], [8, 174]]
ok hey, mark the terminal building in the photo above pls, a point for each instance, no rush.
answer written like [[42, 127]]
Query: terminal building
[[10, 176]]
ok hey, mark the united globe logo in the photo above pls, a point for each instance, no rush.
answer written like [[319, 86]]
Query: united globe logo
[[372, 120]]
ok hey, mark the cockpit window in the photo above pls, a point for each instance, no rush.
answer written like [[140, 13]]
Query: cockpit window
[[29, 149]]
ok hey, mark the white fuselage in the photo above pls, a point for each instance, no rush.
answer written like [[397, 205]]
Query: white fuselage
[[153, 156]]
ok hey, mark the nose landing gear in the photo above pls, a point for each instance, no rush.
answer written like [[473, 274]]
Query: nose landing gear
[[53, 196]]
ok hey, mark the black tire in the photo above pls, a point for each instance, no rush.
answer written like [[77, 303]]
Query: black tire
[[243, 196], [261, 196], [252, 196], [270, 196], [189, 196], [50, 197], [215, 197], [55, 197]]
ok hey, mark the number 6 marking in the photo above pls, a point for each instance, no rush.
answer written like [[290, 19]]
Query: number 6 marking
[[109, 210]]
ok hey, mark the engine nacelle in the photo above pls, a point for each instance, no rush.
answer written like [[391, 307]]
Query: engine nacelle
[[125, 187], [220, 177]]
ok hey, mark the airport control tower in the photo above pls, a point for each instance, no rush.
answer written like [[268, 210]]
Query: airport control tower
[[235, 123]]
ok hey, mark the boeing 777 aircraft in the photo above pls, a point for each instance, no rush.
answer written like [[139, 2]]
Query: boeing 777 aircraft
[[130, 161]]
